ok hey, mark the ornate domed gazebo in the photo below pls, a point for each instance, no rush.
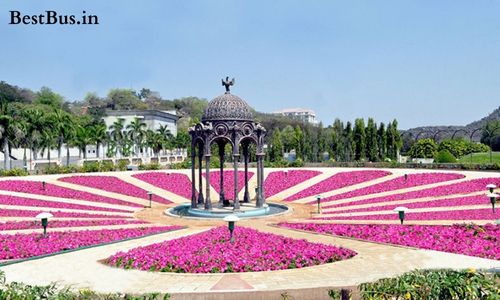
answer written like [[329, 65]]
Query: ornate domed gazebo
[[227, 120]]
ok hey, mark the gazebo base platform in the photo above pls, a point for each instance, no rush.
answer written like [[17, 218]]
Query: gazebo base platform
[[247, 210]]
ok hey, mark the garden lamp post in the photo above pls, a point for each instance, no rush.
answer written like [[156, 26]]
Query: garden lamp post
[[493, 199], [401, 212], [406, 177], [318, 201], [231, 219], [150, 197], [44, 217], [44, 185], [491, 187]]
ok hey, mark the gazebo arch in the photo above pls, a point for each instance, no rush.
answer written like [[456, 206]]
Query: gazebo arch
[[227, 119]]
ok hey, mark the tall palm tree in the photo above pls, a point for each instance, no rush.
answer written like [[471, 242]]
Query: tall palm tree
[[48, 141], [166, 137], [136, 130], [36, 121], [98, 135], [6, 121], [82, 139], [116, 133], [62, 124]]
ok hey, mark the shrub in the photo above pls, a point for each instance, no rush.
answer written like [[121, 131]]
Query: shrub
[[152, 166], [122, 164], [91, 166], [434, 284], [444, 156], [424, 148], [14, 172]]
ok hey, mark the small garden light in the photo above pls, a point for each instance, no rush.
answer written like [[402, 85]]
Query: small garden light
[[231, 219], [150, 197], [318, 200], [493, 200], [406, 177], [401, 211], [44, 217], [491, 187], [44, 185]]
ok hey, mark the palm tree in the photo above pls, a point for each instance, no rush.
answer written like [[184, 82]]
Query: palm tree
[[82, 139], [153, 141], [48, 141], [62, 124], [136, 131], [36, 121], [116, 133], [166, 137], [6, 121], [98, 134]]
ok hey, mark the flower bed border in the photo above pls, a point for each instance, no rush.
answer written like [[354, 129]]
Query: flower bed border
[[15, 261]]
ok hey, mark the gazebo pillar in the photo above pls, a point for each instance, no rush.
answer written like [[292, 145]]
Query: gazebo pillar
[[246, 197], [236, 204], [193, 176], [260, 198], [200, 175], [222, 198], [208, 202]]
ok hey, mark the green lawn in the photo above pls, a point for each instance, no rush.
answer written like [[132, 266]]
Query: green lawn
[[481, 158]]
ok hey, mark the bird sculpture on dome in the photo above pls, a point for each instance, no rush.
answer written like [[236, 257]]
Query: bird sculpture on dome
[[227, 83]]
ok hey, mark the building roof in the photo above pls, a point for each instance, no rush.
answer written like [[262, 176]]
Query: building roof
[[144, 113], [294, 110]]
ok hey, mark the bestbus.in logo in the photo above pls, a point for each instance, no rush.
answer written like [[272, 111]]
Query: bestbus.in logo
[[51, 17]]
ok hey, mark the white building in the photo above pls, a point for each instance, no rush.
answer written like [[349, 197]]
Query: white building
[[152, 118], [301, 114]]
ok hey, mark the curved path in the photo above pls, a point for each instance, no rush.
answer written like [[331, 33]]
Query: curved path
[[83, 269]]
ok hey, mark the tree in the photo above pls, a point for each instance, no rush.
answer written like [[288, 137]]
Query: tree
[[382, 142], [11, 93], [276, 151], [288, 138], [371, 140], [359, 139], [424, 148], [299, 142], [124, 99], [136, 130], [6, 121], [350, 144], [491, 135], [47, 97], [116, 134], [98, 135], [82, 139]]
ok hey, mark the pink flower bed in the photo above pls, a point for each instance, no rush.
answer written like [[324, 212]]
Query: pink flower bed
[[338, 181], [21, 201], [228, 182], [279, 181], [398, 183], [465, 187], [113, 184], [56, 213], [175, 183], [464, 214], [474, 240], [35, 187], [17, 246], [449, 202], [22, 225], [212, 252]]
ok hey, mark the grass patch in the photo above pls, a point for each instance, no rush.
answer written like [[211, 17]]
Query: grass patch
[[480, 158]]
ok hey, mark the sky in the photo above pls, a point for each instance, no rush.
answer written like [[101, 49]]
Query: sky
[[420, 62]]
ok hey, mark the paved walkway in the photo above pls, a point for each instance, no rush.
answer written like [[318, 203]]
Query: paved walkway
[[83, 269]]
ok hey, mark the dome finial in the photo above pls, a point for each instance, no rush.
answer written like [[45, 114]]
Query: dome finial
[[227, 83]]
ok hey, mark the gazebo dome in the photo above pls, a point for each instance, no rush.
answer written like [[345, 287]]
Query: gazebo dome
[[227, 107]]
